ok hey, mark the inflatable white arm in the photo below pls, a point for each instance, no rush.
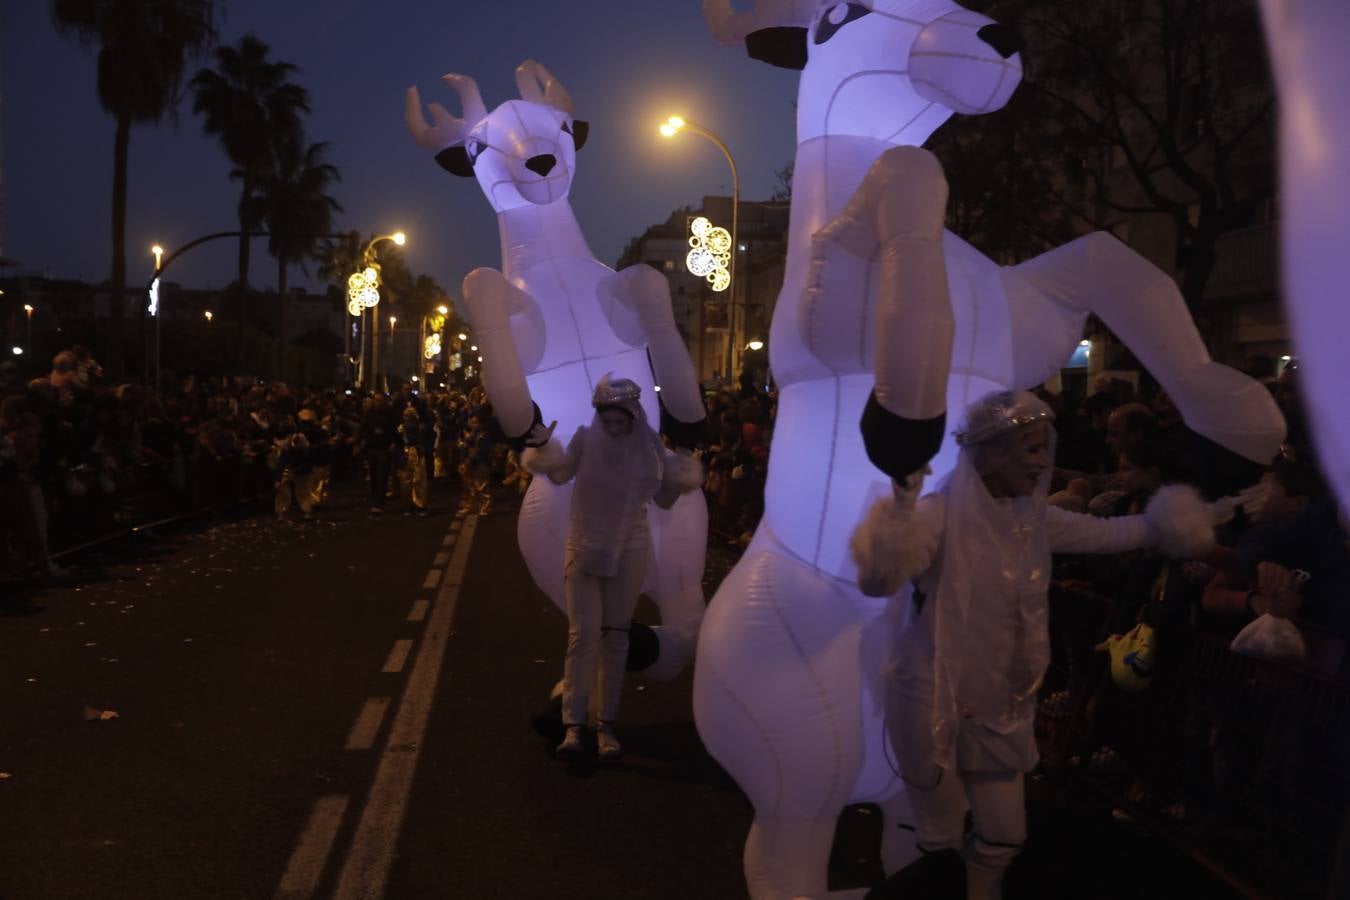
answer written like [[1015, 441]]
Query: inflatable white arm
[[645, 293], [897, 211], [492, 302], [1143, 307]]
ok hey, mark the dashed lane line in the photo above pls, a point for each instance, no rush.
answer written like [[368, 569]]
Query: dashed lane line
[[366, 869], [306, 865], [441, 559], [397, 656], [367, 725], [419, 610], [432, 580]]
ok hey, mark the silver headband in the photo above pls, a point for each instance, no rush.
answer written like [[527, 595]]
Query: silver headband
[[999, 413]]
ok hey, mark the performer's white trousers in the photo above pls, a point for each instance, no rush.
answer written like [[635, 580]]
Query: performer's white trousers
[[998, 808], [599, 611]]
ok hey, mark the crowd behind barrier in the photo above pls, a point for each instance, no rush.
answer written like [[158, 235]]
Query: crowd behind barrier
[[1241, 756]]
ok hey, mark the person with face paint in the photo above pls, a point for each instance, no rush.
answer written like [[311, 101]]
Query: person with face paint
[[967, 568], [619, 465]]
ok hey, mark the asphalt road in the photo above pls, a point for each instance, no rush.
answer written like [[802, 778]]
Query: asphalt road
[[241, 662], [358, 705]]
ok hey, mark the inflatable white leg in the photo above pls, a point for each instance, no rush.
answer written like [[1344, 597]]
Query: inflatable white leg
[[776, 694], [541, 531], [680, 550], [1144, 308]]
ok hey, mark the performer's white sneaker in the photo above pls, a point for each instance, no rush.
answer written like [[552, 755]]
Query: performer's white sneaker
[[610, 748], [571, 745]]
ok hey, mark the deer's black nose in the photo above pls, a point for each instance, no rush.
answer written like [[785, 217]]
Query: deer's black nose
[[541, 164], [1001, 38]]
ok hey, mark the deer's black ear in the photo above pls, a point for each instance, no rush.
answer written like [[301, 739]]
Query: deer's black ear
[[455, 160], [581, 129], [782, 47]]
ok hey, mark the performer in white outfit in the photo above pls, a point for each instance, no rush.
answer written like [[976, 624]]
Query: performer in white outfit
[[968, 567], [620, 465]]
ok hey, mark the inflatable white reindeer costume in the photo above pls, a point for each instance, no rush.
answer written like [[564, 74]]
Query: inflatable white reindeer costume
[[875, 294], [554, 321]]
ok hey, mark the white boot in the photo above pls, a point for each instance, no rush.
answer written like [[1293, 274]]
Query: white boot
[[571, 745], [610, 748]]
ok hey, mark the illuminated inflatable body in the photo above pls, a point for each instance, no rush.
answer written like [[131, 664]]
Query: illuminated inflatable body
[[1307, 41], [784, 690], [554, 321]]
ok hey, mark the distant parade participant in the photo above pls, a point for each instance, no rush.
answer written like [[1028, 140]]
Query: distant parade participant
[[619, 465], [378, 436], [968, 569], [412, 475], [475, 466]]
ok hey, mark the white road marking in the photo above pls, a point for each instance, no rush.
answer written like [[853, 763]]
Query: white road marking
[[311, 852], [367, 724], [419, 610], [398, 656], [366, 869], [441, 559], [448, 539], [433, 578]]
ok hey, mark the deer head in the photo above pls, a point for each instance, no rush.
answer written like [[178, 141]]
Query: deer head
[[891, 70], [522, 153]]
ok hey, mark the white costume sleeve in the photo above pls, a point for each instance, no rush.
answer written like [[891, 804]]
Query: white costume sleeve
[[1177, 521], [551, 460], [1070, 532], [891, 547]]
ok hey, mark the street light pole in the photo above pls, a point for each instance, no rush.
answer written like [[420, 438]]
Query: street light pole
[[369, 265], [673, 126], [28, 308]]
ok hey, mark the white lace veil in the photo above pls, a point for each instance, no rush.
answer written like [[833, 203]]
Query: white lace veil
[[614, 482], [994, 576]]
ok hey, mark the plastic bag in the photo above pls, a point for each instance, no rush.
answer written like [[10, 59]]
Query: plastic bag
[[1267, 637]]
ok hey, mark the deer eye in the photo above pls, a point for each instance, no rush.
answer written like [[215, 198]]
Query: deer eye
[[837, 17]]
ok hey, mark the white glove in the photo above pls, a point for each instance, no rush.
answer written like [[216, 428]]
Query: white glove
[[907, 492]]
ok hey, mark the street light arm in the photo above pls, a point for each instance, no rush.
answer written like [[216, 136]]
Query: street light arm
[[159, 271], [735, 240]]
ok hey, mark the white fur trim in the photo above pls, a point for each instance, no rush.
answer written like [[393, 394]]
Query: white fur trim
[[892, 546], [683, 473], [1181, 522], [542, 460]]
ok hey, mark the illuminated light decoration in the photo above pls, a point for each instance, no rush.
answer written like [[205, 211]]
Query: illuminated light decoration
[[1307, 48], [555, 319], [709, 253], [363, 290], [941, 325], [153, 307], [432, 346], [456, 361]]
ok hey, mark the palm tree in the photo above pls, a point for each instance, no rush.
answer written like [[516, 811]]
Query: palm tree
[[299, 213], [143, 50], [244, 101]]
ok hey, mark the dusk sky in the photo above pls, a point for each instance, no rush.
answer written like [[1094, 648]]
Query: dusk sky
[[627, 63]]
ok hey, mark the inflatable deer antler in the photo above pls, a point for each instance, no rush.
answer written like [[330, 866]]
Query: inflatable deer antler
[[447, 130]]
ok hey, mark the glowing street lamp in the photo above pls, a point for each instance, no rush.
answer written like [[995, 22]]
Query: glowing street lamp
[[209, 316], [755, 345], [443, 310], [671, 127], [463, 337]]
